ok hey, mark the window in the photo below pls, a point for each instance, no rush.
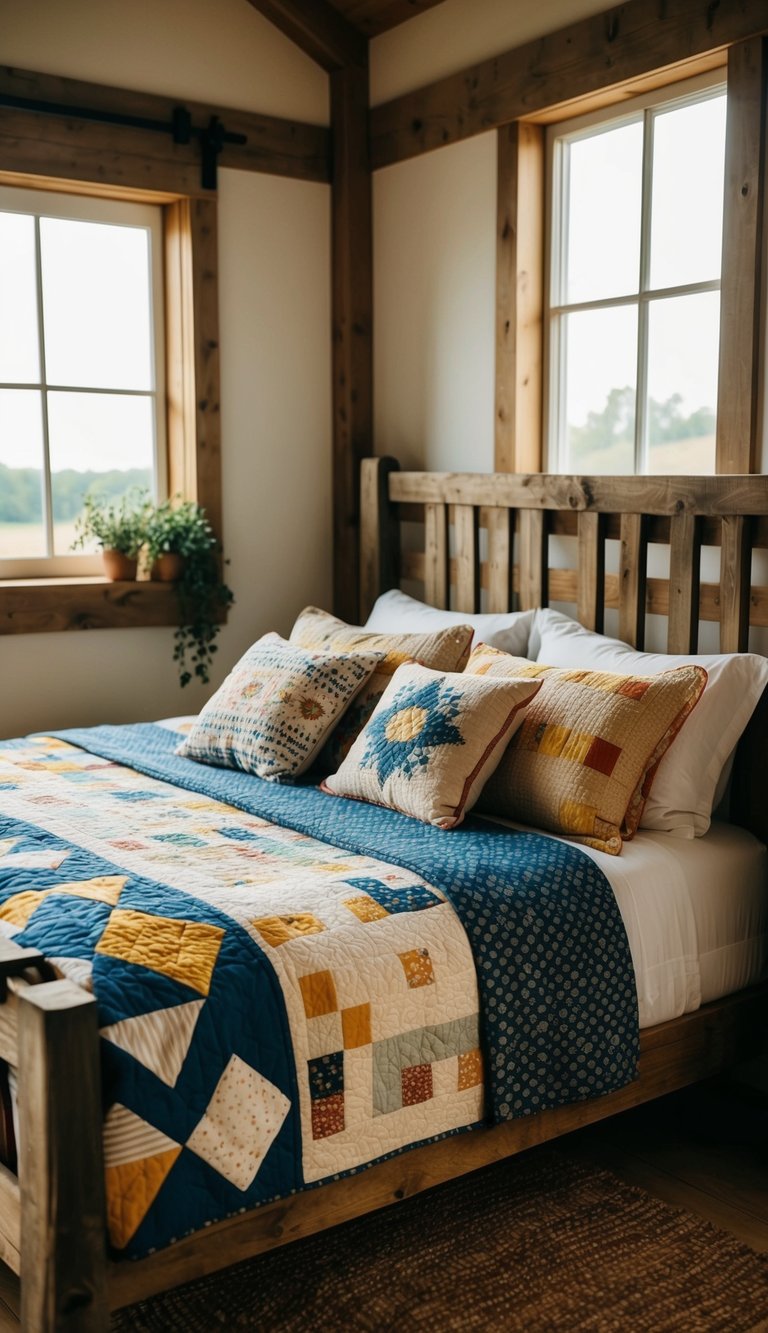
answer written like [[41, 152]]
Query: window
[[635, 233], [82, 388]]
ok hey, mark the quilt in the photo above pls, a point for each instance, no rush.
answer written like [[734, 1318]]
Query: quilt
[[291, 985]]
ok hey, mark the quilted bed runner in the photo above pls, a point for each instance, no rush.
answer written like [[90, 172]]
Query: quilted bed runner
[[292, 985]]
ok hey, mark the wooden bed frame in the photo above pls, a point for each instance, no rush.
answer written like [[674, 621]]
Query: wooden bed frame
[[52, 1218]]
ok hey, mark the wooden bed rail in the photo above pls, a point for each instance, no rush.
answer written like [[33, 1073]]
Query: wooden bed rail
[[52, 1218], [519, 513]]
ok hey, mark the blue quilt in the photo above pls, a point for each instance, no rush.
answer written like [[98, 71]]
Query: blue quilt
[[558, 1004]]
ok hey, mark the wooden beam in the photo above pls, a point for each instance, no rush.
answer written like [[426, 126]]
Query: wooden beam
[[373, 17], [601, 52], [519, 298], [103, 155], [319, 29], [741, 316], [667, 496], [352, 314]]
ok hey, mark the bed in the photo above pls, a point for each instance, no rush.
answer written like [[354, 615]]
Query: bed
[[698, 954]]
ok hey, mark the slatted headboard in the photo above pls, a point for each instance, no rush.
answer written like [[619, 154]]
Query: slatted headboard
[[519, 513]]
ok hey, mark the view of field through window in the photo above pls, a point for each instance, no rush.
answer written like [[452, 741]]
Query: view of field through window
[[77, 378], [636, 248]]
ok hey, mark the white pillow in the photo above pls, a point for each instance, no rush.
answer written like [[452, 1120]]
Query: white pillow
[[395, 612], [693, 774]]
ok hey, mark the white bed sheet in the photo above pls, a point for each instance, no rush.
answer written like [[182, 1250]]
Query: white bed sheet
[[696, 916], [695, 913]]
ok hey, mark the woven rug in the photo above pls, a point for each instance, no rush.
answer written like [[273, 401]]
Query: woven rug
[[535, 1243]]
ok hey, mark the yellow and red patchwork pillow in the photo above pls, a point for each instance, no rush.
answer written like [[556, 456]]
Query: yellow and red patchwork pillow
[[583, 761], [444, 649]]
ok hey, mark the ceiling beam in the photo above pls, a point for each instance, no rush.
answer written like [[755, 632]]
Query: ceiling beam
[[319, 29], [596, 53]]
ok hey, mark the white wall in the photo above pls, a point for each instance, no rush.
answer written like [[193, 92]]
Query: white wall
[[275, 348], [434, 307]]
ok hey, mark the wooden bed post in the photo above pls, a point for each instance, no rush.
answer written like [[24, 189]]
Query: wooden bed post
[[379, 532], [61, 1165]]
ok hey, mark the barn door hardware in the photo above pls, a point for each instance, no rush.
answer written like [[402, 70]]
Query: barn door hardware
[[212, 137]]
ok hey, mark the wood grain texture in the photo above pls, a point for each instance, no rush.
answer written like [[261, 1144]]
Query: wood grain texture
[[598, 53], [533, 557], [466, 538], [656, 495], [671, 1056], [379, 533], [54, 146], [684, 567], [61, 1169], [739, 437], [590, 602], [735, 578], [203, 277], [519, 297], [435, 569], [352, 348], [41, 606], [500, 529], [632, 579]]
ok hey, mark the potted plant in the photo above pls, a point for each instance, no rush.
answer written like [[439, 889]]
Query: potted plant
[[118, 528], [182, 549]]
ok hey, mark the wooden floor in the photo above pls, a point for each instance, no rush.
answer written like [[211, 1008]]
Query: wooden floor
[[704, 1149]]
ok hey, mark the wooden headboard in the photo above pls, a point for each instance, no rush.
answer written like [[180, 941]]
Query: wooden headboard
[[518, 514]]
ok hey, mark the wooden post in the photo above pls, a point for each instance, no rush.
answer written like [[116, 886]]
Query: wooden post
[[632, 579], [352, 297], [519, 297], [61, 1166], [741, 318], [379, 532]]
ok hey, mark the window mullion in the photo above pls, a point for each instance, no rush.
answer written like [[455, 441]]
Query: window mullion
[[47, 493], [643, 307]]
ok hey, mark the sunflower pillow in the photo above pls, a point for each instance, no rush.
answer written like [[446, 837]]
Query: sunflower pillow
[[276, 707], [431, 742]]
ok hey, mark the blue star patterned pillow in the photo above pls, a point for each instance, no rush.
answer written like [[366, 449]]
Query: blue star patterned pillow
[[431, 743], [276, 708]]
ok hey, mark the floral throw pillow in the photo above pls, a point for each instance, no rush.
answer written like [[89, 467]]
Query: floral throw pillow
[[431, 743], [276, 707]]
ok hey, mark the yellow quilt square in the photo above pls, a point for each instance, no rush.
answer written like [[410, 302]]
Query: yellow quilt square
[[356, 1026], [184, 950], [277, 930], [318, 991]]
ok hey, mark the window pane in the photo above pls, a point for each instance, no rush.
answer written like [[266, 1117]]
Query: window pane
[[96, 300], [21, 459], [687, 219], [19, 350], [99, 442], [603, 213], [601, 361], [683, 342]]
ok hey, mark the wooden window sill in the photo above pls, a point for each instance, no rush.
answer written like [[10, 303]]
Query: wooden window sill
[[36, 606]]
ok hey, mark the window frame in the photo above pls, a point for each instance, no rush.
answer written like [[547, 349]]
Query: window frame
[[192, 388], [113, 212], [643, 106]]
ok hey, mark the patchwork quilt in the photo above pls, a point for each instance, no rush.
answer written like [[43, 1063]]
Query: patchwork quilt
[[291, 985]]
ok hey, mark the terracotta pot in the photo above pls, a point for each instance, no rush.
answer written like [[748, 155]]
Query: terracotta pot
[[118, 566], [167, 568]]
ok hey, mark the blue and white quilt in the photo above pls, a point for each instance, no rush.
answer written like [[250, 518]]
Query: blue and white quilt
[[291, 985]]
